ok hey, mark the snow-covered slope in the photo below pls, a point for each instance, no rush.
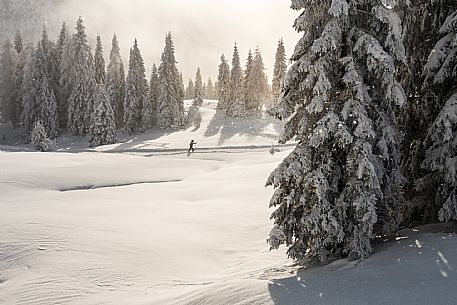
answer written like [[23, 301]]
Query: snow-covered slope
[[151, 226], [215, 130]]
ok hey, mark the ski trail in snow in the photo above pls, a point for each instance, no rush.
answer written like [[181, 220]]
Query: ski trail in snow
[[170, 151]]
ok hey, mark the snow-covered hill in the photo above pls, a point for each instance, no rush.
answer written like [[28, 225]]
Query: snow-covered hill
[[140, 222], [215, 130]]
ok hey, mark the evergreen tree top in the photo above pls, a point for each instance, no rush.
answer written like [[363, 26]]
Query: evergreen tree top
[[99, 44], [135, 57], [80, 29], [44, 35], [80, 40], [236, 56], [63, 32], [62, 35], [99, 61], [249, 63], [169, 50], [18, 42], [224, 68], [258, 60], [115, 50], [99, 50]]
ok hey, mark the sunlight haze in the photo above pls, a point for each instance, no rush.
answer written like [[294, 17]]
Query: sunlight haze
[[202, 29]]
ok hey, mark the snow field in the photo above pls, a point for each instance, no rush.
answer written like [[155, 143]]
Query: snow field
[[152, 225], [190, 225]]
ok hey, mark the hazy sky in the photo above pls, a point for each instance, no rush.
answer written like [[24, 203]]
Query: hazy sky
[[202, 29]]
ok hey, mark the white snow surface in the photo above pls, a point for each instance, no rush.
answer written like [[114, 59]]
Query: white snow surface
[[147, 224]]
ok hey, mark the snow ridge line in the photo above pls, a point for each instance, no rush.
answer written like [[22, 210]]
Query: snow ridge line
[[94, 187]]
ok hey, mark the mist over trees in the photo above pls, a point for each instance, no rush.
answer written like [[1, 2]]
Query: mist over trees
[[65, 86]]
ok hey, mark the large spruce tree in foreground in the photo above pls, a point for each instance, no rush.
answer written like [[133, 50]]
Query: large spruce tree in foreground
[[440, 161], [341, 185], [136, 91], [427, 121]]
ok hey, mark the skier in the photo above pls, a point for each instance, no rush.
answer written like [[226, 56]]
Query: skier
[[191, 146]]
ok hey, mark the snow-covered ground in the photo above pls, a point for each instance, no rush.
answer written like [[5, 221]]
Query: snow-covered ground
[[147, 224]]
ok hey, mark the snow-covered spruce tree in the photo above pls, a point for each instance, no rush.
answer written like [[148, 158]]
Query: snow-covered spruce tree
[[99, 63], [62, 105], [204, 91], [102, 130], [136, 91], [190, 90], [223, 82], [170, 111], [54, 76], [150, 108], [210, 89], [60, 44], [40, 140], [198, 89], [247, 73], [22, 52], [216, 90], [182, 92], [423, 20], [257, 85], [35, 88], [30, 109], [81, 101], [18, 46], [115, 82], [23, 58], [9, 90], [279, 71], [440, 162], [67, 77], [47, 112], [341, 184], [236, 104]]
